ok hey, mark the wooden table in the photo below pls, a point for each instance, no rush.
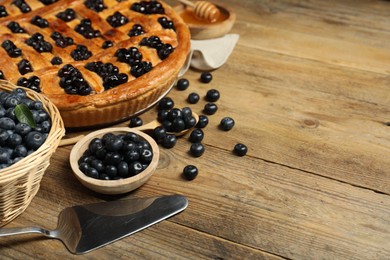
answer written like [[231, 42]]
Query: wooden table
[[308, 86]]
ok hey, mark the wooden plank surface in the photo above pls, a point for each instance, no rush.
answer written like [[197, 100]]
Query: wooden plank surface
[[308, 85]]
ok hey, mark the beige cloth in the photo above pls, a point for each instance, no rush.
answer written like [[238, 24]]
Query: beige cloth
[[210, 54]]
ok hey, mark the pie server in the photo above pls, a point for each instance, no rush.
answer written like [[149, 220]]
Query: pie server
[[87, 227]]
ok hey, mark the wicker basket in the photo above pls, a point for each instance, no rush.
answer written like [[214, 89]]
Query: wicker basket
[[20, 182]]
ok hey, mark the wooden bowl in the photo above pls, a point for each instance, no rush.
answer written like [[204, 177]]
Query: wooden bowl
[[113, 186], [200, 29]]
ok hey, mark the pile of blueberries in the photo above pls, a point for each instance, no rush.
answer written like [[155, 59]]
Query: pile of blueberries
[[117, 19], [68, 15], [116, 156], [60, 40], [22, 5], [17, 139], [72, 81], [85, 29], [37, 41], [148, 7], [163, 49], [11, 49], [15, 27], [136, 30], [133, 57], [165, 23], [39, 21], [81, 53], [32, 82], [108, 72], [95, 5], [174, 120]]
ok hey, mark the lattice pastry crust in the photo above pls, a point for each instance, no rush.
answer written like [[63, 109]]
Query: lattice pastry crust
[[98, 61]]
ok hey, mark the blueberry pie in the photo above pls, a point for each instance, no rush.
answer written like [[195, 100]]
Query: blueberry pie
[[99, 61]]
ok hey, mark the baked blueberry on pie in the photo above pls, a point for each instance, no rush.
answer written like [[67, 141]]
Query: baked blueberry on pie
[[98, 61]]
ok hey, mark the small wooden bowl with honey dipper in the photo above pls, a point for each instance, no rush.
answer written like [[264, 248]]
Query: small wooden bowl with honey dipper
[[206, 20]]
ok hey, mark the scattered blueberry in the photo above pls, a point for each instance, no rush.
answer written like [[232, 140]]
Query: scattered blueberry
[[190, 172], [240, 149], [135, 122], [226, 123], [212, 95], [203, 121], [206, 77], [196, 135], [210, 108], [197, 149], [193, 98], [182, 84]]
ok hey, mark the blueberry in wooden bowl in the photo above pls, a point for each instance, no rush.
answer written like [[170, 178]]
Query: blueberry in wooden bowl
[[114, 160]]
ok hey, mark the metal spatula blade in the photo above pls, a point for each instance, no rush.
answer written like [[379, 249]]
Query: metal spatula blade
[[88, 227]]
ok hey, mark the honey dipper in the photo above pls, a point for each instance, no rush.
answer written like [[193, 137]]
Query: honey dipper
[[203, 10]]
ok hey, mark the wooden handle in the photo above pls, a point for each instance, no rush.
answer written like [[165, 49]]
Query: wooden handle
[[70, 141]]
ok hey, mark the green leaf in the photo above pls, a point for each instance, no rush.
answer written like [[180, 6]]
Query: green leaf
[[24, 115]]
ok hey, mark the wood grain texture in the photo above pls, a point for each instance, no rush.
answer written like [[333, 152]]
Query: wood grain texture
[[308, 86]]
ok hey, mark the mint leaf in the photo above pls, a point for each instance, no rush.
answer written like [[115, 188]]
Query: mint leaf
[[24, 115]]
